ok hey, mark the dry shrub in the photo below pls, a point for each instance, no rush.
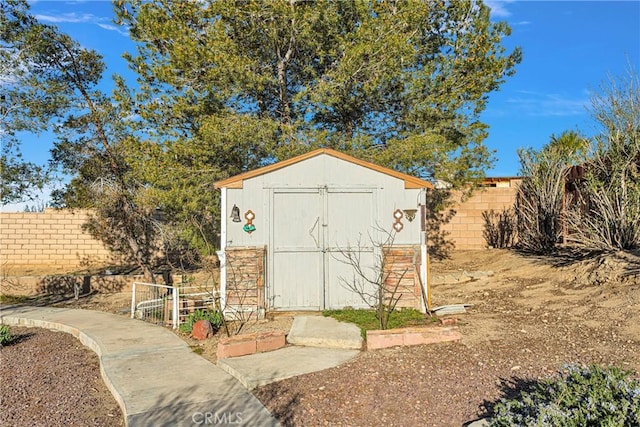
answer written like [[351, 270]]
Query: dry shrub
[[607, 213], [499, 228], [539, 201]]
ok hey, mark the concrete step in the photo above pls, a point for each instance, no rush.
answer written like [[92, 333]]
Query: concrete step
[[325, 332]]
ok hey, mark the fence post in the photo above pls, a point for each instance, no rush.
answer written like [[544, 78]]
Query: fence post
[[176, 301], [133, 301]]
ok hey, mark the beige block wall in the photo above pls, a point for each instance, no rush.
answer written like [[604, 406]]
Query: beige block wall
[[52, 239], [466, 227]]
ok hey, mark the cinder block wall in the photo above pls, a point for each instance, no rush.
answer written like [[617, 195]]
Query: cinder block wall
[[52, 238], [466, 227]]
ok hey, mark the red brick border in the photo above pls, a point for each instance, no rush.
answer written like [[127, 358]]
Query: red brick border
[[411, 336], [242, 345]]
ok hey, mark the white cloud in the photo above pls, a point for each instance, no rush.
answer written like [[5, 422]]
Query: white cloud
[[541, 104], [12, 68], [70, 17], [114, 28], [498, 8], [80, 18]]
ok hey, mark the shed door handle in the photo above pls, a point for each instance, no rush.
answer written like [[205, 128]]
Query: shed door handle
[[315, 224]]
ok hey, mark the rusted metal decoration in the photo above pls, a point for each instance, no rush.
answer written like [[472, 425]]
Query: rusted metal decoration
[[410, 214], [397, 225]]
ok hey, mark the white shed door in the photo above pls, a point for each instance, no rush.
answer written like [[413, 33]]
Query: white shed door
[[312, 231], [351, 228], [297, 257]]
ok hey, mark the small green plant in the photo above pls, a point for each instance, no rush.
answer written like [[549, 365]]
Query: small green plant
[[14, 299], [6, 337], [367, 320], [197, 349], [577, 396], [214, 317]]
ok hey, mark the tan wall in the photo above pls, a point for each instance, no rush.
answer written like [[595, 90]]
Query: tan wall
[[466, 227], [53, 240], [64, 285]]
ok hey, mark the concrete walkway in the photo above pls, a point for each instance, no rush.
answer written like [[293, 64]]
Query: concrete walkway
[[320, 343], [153, 374], [259, 369]]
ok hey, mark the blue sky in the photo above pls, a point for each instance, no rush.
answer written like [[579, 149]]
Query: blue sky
[[569, 49]]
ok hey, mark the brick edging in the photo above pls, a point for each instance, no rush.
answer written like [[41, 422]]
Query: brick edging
[[411, 336], [242, 345]]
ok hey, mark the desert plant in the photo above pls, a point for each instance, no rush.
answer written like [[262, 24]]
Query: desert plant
[[609, 196], [499, 228], [539, 202], [577, 396], [213, 316], [6, 336]]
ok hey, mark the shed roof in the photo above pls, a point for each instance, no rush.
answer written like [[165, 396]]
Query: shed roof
[[237, 180]]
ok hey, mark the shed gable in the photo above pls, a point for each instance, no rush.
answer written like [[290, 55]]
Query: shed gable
[[238, 180]]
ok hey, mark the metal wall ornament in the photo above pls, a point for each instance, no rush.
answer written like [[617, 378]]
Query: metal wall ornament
[[397, 225], [410, 214], [235, 214], [249, 227]]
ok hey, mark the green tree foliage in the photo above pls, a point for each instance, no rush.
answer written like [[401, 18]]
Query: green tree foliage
[[18, 178], [20, 110], [569, 147], [58, 91], [229, 86], [224, 87]]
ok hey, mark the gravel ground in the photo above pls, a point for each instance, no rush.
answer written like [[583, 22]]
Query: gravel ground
[[445, 384], [50, 379], [527, 320]]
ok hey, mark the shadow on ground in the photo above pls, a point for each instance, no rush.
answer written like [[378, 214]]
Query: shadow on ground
[[283, 405]]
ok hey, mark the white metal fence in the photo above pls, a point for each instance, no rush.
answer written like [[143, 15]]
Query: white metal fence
[[169, 305]]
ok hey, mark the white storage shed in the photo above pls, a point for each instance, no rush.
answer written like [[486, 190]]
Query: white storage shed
[[287, 228]]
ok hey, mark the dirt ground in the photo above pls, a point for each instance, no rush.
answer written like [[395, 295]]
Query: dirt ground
[[49, 378], [527, 319]]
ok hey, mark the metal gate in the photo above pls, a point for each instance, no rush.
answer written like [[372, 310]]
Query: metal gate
[[312, 230]]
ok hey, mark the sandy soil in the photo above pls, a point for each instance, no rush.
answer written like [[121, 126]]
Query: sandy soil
[[532, 316]]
